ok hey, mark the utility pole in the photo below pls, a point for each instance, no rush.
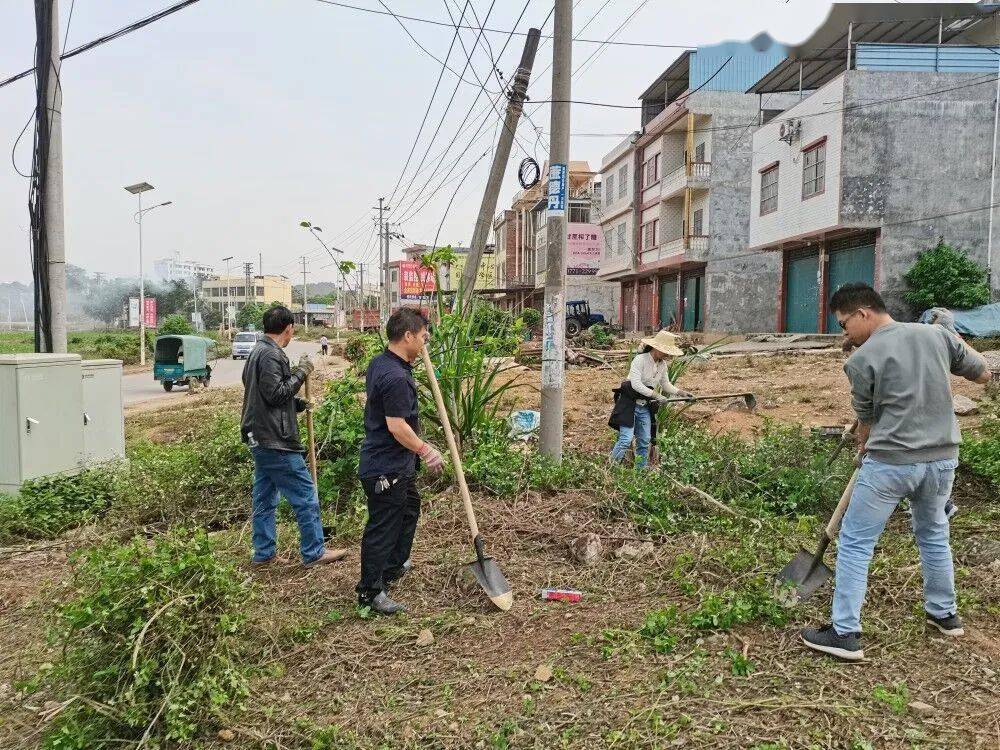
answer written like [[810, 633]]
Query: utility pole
[[554, 309], [515, 103], [305, 295], [383, 259], [363, 299], [48, 233], [260, 264], [251, 290]]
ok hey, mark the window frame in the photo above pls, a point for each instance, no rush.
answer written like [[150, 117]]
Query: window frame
[[623, 180], [698, 222], [654, 224], [764, 173], [622, 239], [609, 189], [654, 163], [818, 179], [699, 159]]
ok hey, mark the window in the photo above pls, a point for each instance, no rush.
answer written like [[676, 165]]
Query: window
[[621, 238], [699, 152], [769, 190], [649, 234], [623, 180], [651, 170], [609, 248], [393, 277], [814, 171], [260, 291], [698, 222], [609, 189]]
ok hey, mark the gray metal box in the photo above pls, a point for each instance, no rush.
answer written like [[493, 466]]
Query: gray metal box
[[41, 417], [103, 411]]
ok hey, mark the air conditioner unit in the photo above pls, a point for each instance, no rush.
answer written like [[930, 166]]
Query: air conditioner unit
[[790, 131]]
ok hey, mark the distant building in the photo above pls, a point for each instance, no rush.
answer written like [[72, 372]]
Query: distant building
[[521, 240], [221, 292], [451, 273], [175, 269]]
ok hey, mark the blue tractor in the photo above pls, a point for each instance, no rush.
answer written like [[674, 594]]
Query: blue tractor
[[579, 318]]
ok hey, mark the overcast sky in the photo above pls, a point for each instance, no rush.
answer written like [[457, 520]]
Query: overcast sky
[[252, 116]]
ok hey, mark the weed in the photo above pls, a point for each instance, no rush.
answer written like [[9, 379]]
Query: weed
[[730, 608], [44, 508], [739, 665], [657, 629], [150, 636], [896, 696]]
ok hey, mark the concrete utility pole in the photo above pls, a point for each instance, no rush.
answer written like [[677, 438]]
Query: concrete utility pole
[[383, 259], [305, 294], [554, 310], [50, 334], [488, 207], [361, 282]]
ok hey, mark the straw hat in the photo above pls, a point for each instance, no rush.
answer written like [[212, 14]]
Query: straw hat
[[665, 342]]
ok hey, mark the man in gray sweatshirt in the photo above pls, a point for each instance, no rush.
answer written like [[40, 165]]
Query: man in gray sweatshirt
[[908, 437]]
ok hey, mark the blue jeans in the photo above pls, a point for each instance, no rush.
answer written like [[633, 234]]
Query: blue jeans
[[879, 489], [286, 473], [642, 431]]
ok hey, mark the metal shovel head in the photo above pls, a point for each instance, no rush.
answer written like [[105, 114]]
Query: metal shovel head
[[491, 579], [751, 401], [805, 573]]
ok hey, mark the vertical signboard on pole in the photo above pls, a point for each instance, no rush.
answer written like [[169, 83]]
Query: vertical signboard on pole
[[557, 190], [150, 312], [133, 312]]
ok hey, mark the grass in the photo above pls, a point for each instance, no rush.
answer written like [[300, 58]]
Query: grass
[[123, 345]]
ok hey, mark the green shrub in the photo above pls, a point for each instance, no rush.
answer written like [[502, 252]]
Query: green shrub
[[45, 508], [175, 325], [361, 348], [946, 277], [531, 318], [148, 643], [340, 428], [730, 608], [981, 453]]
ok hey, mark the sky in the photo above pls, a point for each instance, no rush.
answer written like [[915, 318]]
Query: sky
[[253, 116]]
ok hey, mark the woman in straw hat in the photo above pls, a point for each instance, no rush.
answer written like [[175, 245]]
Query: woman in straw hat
[[637, 400]]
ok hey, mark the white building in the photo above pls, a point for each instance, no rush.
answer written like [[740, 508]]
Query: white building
[[175, 269]]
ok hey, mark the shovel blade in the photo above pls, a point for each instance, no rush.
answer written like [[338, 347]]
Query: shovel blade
[[751, 401], [492, 581], [805, 573]]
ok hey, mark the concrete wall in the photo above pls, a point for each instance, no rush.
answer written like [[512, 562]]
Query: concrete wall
[[821, 116], [741, 288], [603, 296], [907, 162]]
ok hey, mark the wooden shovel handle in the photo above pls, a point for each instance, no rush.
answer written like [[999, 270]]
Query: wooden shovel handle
[[834, 524], [311, 434], [456, 459]]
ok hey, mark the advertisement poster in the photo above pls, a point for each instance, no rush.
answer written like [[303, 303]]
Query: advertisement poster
[[414, 282], [150, 312], [583, 249], [557, 190], [133, 312]]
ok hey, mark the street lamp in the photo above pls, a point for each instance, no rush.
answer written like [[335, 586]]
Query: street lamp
[[137, 190], [329, 251]]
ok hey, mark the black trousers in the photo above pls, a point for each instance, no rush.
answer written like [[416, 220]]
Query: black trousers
[[388, 537]]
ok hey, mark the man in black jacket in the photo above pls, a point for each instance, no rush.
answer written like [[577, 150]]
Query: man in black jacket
[[271, 428]]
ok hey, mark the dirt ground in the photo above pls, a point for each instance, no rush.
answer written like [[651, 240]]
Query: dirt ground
[[553, 675]]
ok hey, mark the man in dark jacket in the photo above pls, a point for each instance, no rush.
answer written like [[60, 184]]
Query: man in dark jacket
[[270, 427]]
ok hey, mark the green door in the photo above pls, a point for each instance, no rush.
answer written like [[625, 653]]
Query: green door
[[693, 303], [668, 303], [802, 295], [856, 264]]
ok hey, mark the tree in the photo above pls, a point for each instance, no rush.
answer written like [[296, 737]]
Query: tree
[[252, 314], [946, 277], [175, 297], [176, 325], [211, 318]]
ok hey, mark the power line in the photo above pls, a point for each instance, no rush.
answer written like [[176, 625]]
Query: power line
[[514, 32], [108, 37]]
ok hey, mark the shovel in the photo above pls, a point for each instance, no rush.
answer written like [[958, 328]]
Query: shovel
[[484, 568], [748, 398], [807, 572]]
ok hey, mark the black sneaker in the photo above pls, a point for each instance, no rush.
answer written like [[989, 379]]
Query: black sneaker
[[950, 625], [829, 641], [381, 604]]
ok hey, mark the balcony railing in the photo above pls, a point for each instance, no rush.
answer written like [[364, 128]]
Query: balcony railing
[[695, 175], [673, 248], [526, 281]]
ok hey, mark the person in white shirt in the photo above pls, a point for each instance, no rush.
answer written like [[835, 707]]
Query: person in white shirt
[[638, 398], [324, 345]]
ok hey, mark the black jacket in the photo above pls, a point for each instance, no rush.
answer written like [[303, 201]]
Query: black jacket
[[269, 402], [623, 412]]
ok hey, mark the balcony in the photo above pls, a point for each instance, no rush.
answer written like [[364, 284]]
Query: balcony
[[524, 281], [695, 244], [675, 182]]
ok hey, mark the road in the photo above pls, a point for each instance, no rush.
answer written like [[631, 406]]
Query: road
[[140, 387]]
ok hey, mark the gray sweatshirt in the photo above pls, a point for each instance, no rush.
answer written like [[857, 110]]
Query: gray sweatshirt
[[900, 386]]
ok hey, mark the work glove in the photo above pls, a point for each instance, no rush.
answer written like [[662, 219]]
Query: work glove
[[306, 365], [432, 457]]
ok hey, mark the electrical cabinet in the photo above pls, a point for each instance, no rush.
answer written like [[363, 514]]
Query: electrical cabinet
[[41, 417], [103, 420]]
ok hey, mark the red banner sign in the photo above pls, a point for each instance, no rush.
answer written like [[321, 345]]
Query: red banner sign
[[414, 282], [149, 314]]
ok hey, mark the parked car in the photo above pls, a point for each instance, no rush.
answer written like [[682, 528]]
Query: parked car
[[243, 344]]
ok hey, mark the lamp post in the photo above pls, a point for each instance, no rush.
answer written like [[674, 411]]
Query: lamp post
[[137, 190], [330, 249]]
